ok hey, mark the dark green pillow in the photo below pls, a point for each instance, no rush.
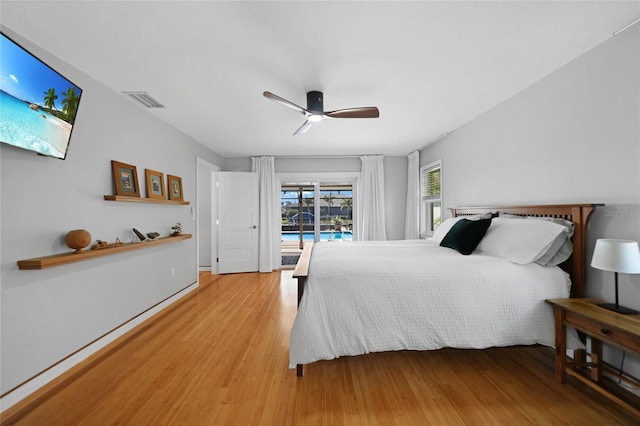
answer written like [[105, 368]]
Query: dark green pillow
[[465, 235]]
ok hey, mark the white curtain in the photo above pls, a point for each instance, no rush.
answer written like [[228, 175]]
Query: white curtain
[[269, 221], [412, 220], [370, 195]]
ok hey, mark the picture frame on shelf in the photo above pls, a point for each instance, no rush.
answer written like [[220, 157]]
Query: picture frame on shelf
[[155, 184], [174, 188], [125, 179]]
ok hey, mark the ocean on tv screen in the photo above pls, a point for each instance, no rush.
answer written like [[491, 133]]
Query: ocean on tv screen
[[27, 128]]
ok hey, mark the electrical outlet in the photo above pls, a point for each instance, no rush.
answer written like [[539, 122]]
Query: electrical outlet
[[173, 272]]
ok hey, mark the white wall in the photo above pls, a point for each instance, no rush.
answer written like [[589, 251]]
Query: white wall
[[572, 137], [395, 196], [205, 190], [47, 315]]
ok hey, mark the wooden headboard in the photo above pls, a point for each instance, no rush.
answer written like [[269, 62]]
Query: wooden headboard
[[577, 213]]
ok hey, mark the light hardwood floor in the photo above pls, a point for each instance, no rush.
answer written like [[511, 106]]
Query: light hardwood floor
[[219, 357]]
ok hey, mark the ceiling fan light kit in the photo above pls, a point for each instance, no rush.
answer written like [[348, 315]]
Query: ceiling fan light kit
[[314, 112]]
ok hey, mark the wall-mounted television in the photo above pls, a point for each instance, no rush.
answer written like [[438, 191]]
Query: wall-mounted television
[[38, 106]]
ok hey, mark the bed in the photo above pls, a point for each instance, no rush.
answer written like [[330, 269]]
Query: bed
[[360, 297]]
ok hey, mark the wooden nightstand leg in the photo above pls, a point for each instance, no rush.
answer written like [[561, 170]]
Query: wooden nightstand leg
[[596, 359], [561, 344]]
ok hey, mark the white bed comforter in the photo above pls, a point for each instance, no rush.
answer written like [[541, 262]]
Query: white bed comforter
[[366, 297]]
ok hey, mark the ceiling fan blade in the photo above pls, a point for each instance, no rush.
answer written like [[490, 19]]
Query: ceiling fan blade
[[284, 102], [307, 124], [364, 112]]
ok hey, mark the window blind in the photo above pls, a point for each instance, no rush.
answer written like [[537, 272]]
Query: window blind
[[430, 188]]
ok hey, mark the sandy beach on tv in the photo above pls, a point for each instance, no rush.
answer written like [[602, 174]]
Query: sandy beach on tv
[[23, 126]]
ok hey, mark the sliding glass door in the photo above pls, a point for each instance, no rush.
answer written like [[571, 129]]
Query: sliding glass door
[[316, 211], [298, 214], [336, 211]]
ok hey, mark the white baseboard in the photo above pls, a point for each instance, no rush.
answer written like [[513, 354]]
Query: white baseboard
[[38, 381], [204, 268]]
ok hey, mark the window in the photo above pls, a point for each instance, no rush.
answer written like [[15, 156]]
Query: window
[[336, 210], [431, 196], [324, 211]]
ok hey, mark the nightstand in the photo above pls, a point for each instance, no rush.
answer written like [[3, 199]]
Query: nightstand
[[601, 325]]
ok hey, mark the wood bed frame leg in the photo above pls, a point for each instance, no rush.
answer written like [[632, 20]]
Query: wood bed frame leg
[[301, 283], [301, 272]]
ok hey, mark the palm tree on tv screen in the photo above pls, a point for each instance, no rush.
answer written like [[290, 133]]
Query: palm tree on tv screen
[[50, 97], [70, 103]]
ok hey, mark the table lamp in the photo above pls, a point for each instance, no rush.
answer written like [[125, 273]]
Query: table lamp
[[617, 256]]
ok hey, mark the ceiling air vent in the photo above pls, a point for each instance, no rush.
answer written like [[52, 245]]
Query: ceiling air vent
[[145, 99]]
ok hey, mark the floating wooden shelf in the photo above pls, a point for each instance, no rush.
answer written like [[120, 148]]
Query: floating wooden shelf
[[143, 200], [64, 258]]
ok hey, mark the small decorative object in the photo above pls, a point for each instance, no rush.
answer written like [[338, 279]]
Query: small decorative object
[[153, 235], [125, 178], [176, 229], [616, 256], [175, 188], [77, 239], [100, 244], [155, 184], [139, 234]]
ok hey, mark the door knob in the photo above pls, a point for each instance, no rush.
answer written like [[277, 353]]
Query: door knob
[[253, 227]]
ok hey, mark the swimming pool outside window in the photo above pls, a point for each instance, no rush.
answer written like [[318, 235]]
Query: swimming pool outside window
[[322, 212]]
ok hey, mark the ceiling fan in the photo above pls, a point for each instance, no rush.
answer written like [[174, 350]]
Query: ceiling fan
[[314, 112]]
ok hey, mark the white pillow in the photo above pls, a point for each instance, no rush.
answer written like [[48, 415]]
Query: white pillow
[[520, 241], [562, 246], [558, 252], [443, 229]]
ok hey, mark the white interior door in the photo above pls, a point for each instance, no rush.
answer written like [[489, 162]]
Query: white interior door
[[238, 206]]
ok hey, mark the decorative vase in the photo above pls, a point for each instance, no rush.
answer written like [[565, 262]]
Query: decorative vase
[[77, 239]]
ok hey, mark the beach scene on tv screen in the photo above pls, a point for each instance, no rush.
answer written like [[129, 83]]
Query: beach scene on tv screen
[[38, 105]]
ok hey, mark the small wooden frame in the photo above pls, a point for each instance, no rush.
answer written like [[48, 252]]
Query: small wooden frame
[[174, 187], [155, 184], [125, 179]]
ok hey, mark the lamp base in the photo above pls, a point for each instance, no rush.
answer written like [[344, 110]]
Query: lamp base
[[617, 308]]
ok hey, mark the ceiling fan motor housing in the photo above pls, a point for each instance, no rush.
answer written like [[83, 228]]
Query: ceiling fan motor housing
[[315, 102]]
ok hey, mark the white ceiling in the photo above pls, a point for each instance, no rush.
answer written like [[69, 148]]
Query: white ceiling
[[429, 67]]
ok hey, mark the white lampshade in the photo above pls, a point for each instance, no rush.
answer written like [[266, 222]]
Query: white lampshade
[[617, 256]]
